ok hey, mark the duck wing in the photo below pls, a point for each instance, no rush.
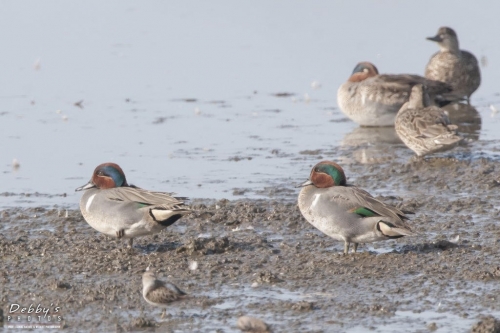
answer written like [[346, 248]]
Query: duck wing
[[365, 205], [146, 198]]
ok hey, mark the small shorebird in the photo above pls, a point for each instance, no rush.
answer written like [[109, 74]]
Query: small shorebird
[[159, 293]]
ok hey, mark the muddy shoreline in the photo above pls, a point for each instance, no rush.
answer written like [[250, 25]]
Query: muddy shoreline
[[261, 258]]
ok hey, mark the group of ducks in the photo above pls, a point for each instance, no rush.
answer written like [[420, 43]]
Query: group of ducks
[[411, 102], [342, 211]]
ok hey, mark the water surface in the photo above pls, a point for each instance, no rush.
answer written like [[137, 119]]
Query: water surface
[[202, 98]]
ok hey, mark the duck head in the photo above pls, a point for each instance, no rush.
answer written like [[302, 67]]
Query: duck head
[[362, 71], [326, 174], [106, 175], [419, 97], [446, 38]]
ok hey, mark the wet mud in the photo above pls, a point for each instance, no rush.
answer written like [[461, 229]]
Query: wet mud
[[260, 258]]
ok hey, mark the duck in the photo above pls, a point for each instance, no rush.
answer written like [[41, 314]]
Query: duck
[[159, 293], [425, 128], [113, 207], [373, 100], [458, 68], [347, 213]]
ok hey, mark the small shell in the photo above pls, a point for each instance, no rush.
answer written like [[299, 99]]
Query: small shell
[[193, 265], [251, 324]]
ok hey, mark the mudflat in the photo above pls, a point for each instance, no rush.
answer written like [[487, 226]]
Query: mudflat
[[261, 258]]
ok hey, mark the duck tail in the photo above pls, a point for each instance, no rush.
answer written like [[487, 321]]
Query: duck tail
[[167, 217], [393, 231]]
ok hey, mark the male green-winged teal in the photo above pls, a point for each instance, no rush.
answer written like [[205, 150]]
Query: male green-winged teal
[[345, 212], [112, 206]]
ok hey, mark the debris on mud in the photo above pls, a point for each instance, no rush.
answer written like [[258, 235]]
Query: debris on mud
[[267, 277], [142, 322], [205, 246], [487, 324], [302, 306]]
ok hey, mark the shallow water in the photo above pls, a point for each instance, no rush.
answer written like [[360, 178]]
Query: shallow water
[[186, 97], [238, 100]]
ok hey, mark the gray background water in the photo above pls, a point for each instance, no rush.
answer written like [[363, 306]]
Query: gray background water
[[178, 92], [183, 96]]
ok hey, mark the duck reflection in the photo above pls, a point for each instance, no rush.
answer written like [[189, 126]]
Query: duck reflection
[[467, 118], [372, 144]]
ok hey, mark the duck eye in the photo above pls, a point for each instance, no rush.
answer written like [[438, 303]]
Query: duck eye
[[100, 173]]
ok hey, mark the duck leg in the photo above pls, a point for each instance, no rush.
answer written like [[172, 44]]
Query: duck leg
[[346, 247], [120, 233]]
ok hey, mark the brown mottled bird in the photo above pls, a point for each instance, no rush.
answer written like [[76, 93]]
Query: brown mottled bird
[[458, 68], [424, 128], [159, 293]]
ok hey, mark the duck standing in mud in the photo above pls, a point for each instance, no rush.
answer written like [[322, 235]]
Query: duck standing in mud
[[345, 212], [117, 209]]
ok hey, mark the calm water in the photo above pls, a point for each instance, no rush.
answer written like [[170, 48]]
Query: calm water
[[183, 95]]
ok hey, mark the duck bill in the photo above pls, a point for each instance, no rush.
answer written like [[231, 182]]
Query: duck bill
[[86, 186], [306, 183], [435, 38]]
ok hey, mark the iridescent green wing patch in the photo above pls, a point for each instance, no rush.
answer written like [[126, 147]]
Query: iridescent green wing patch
[[364, 212]]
